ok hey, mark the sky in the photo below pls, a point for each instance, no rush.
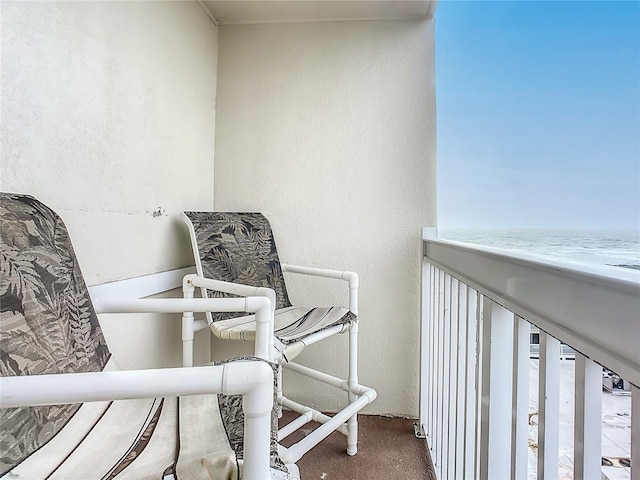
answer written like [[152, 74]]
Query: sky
[[538, 114]]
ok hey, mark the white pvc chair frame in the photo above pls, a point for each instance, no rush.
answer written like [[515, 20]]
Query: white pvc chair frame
[[358, 395], [253, 380]]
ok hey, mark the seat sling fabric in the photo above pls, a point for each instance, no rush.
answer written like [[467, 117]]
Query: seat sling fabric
[[47, 321], [240, 248]]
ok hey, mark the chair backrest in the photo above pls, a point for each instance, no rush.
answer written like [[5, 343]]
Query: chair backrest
[[239, 248], [47, 321]]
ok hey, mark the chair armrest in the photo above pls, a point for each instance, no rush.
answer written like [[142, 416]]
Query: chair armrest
[[191, 281], [261, 306], [228, 287], [253, 380], [61, 388], [179, 305], [351, 277]]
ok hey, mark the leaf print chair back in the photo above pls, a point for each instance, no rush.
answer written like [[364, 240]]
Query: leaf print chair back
[[235, 255], [136, 424]]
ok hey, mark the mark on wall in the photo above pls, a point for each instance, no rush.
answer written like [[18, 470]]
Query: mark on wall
[[158, 212]]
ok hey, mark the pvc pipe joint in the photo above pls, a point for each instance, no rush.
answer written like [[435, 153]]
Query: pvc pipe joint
[[237, 376], [352, 278]]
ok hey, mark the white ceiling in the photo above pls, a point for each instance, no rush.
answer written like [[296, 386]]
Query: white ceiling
[[234, 12]]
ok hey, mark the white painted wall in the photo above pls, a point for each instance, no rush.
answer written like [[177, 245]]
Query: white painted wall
[[108, 113], [329, 129]]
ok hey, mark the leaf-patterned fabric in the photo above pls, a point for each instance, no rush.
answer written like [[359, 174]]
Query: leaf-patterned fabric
[[240, 248], [47, 321]]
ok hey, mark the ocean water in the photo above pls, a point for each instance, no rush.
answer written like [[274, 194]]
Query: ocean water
[[619, 248]]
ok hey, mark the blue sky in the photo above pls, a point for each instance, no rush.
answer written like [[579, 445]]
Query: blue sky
[[538, 114]]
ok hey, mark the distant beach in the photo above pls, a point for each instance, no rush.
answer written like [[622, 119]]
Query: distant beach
[[618, 248]]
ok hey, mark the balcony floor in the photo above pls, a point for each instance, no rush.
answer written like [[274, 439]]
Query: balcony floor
[[387, 448]]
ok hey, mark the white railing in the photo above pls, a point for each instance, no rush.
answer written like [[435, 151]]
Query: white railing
[[478, 305]]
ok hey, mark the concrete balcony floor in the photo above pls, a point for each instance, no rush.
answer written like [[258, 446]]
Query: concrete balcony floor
[[387, 448]]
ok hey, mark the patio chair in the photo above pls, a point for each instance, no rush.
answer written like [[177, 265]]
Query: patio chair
[[137, 424], [235, 254]]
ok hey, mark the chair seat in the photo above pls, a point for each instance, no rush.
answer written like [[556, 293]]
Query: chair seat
[[292, 324], [103, 439], [172, 438]]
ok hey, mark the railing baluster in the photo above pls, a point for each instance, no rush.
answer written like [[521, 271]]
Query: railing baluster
[[434, 348], [436, 363], [470, 387], [432, 356], [549, 407], [461, 381], [587, 440], [495, 410], [520, 409], [478, 382], [440, 350], [425, 301], [446, 341], [453, 380], [635, 433]]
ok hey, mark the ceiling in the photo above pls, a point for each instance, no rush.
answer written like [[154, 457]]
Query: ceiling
[[235, 12]]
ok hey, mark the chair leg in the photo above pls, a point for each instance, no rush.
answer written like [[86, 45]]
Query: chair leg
[[352, 423]]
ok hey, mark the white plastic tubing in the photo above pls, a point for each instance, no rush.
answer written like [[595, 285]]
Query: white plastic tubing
[[351, 277]]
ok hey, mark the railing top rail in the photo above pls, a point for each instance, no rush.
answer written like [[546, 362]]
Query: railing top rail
[[613, 275], [595, 310]]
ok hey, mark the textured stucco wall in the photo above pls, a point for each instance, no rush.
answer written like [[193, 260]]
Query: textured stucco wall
[[329, 129], [108, 113]]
